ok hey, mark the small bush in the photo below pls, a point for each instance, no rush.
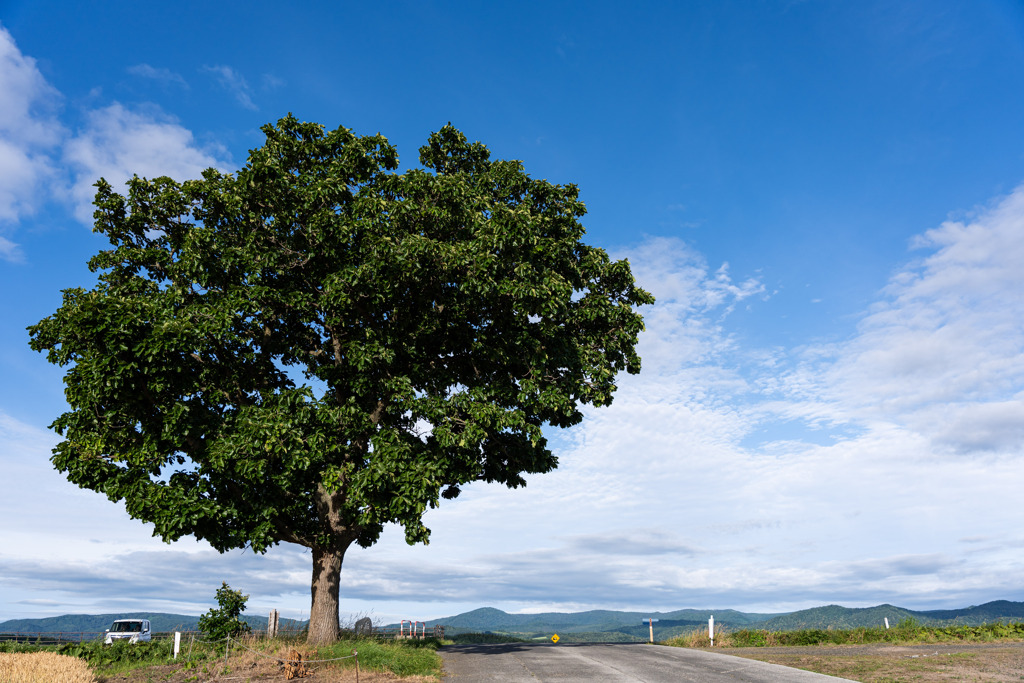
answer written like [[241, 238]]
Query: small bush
[[750, 638], [219, 623]]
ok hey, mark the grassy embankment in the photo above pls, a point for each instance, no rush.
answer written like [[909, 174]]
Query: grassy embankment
[[250, 656]]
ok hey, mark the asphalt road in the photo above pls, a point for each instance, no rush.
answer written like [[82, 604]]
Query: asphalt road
[[566, 663]]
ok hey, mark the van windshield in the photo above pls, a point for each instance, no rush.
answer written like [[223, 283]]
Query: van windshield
[[126, 626]]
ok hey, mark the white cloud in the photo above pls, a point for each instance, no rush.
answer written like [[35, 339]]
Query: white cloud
[[114, 142], [117, 142], [942, 353], [29, 130], [234, 83]]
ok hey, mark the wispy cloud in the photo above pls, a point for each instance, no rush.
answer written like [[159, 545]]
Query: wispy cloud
[[940, 353], [272, 82], [162, 75], [9, 251], [234, 83]]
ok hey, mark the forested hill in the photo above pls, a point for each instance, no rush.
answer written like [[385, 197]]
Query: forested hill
[[834, 616]]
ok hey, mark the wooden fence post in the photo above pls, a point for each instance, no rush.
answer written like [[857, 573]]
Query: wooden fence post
[[273, 622]]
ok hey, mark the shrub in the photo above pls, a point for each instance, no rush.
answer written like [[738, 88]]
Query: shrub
[[219, 623], [750, 638]]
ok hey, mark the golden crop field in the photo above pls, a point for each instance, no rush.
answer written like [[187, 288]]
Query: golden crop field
[[43, 667]]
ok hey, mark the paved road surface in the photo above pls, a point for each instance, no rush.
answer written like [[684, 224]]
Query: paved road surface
[[567, 663]]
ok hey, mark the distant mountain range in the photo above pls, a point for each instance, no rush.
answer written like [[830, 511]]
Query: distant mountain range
[[596, 625], [608, 626]]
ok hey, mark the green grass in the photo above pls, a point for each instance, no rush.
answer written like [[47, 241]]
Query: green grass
[[400, 657], [906, 632]]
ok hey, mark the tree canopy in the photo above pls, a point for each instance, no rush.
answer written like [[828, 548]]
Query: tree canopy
[[318, 345]]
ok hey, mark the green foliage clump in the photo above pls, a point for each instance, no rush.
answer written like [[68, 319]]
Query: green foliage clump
[[13, 646], [982, 633], [751, 638], [221, 622], [119, 654]]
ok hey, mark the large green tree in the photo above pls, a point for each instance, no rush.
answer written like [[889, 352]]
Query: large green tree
[[317, 345]]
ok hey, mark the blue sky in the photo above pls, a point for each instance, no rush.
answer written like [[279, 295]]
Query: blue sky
[[827, 199]]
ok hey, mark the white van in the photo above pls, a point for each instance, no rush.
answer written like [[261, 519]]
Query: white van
[[132, 630]]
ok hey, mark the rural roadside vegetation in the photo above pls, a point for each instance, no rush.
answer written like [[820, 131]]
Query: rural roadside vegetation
[[907, 632], [250, 657], [224, 647], [907, 652]]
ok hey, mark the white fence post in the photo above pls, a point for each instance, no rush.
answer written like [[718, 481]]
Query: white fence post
[[177, 643], [711, 629]]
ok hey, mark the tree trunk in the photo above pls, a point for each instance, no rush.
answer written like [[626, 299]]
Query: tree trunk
[[324, 626]]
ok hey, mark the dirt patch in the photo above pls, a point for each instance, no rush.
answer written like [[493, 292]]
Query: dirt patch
[[883, 663]]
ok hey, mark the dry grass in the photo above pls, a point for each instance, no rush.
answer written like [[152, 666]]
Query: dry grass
[[879, 663], [43, 667], [699, 638]]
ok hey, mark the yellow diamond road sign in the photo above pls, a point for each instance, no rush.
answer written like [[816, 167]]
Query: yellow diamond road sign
[[554, 638]]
